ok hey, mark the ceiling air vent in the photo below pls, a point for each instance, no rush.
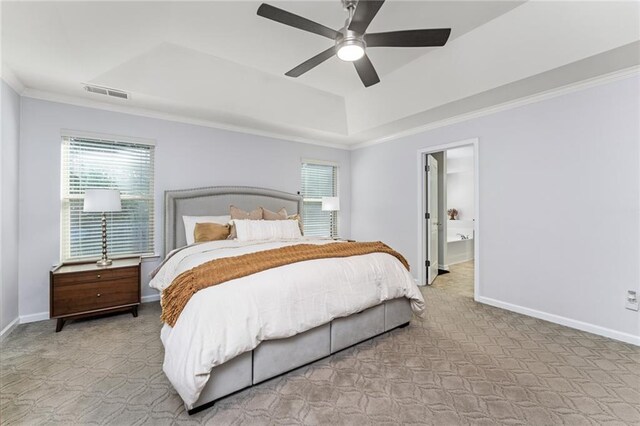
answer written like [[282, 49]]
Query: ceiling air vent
[[106, 91], [118, 94]]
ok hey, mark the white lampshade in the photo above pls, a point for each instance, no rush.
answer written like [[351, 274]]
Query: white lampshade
[[102, 200], [330, 204]]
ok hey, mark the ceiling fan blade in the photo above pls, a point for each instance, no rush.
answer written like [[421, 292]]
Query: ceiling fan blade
[[366, 71], [409, 38], [293, 20], [311, 63], [365, 12]]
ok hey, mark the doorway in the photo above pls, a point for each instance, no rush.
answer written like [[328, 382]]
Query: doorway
[[448, 237]]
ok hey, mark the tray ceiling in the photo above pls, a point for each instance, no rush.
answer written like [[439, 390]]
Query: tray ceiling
[[219, 63]]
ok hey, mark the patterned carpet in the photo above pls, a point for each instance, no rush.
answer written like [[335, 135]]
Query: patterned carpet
[[465, 363]]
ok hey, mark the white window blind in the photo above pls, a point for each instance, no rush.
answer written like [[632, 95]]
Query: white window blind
[[96, 163], [319, 180]]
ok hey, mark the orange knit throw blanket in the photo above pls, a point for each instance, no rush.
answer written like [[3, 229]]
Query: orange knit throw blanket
[[217, 271]]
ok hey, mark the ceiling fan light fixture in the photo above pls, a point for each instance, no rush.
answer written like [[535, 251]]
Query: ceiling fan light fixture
[[350, 50]]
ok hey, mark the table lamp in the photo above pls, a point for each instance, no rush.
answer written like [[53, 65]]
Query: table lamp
[[102, 201], [331, 204]]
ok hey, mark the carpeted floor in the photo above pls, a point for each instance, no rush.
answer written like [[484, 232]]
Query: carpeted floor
[[466, 363]]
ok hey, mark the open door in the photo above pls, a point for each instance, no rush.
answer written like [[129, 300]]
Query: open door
[[432, 218]]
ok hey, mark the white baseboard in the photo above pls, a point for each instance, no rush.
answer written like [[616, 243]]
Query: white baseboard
[[40, 316], [9, 328], [151, 298], [557, 319]]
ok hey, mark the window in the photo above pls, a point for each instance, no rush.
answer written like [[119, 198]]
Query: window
[[319, 180], [109, 164]]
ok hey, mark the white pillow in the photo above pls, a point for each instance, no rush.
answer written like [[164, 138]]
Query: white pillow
[[257, 230], [190, 224]]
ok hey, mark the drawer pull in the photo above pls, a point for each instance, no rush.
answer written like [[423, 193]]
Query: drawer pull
[[99, 295], [98, 275]]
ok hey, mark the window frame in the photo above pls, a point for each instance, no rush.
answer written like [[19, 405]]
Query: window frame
[[335, 215], [66, 196]]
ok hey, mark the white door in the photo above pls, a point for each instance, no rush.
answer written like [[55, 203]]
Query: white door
[[432, 219]]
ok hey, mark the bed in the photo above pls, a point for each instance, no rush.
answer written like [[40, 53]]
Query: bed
[[213, 351]]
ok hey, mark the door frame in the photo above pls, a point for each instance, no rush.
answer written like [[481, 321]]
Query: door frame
[[421, 207]]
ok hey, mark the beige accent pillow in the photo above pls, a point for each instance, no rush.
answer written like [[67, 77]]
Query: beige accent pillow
[[279, 215], [190, 224], [282, 215], [210, 232], [237, 213]]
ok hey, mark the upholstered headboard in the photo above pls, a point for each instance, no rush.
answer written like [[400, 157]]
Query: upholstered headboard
[[215, 201]]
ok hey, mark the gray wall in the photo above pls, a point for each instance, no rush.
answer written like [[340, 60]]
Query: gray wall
[[559, 202], [9, 205], [187, 156]]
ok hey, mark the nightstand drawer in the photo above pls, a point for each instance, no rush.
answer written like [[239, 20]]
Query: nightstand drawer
[[84, 297], [95, 276]]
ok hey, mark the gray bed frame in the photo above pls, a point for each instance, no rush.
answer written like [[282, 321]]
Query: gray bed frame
[[274, 357]]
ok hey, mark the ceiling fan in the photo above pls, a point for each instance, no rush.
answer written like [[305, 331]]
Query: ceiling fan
[[351, 41]]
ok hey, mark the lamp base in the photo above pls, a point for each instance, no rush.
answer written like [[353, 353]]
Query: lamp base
[[104, 262]]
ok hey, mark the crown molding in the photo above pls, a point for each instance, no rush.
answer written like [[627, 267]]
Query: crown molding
[[144, 112], [9, 77], [15, 83], [538, 97]]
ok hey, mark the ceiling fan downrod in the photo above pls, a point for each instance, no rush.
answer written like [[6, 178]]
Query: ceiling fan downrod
[[350, 7]]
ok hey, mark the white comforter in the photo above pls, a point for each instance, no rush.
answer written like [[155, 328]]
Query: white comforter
[[228, 319]]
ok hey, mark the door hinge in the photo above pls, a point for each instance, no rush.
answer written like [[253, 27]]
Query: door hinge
[[427, 168], [427, 263], [427, 216]]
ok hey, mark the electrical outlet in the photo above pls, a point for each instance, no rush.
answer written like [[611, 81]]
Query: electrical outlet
[[632, 300]]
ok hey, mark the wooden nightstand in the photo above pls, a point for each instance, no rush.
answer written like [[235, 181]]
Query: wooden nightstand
[[85, 289]]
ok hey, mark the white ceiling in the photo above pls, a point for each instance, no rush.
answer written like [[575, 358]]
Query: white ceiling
[[219, 63]]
